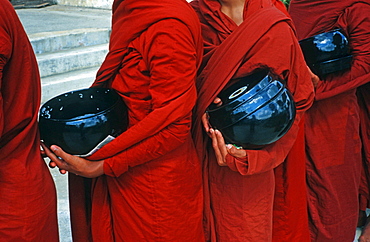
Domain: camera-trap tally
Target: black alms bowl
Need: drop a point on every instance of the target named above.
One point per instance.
(327, 52)
(78, 121)
(256, 111)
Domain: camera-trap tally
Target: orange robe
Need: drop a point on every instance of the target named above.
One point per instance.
(333, 142)
(28, 205)
(151, 190)
(239, 198)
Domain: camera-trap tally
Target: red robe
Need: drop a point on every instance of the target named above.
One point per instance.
(290, 217)
(363, 93)
(151, 190)
(239, 198)
(333, 142)
(281, 6)
(28, 205)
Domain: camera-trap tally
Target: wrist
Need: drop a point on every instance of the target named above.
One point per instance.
(96, 168)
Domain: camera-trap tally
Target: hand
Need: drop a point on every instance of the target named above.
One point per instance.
(51, 163)
(73, 164)
(221, 149)
(205, 122)
(205, 117)
(314, 78)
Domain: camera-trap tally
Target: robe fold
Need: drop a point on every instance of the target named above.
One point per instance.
(28, 204)
(239, 198)
(363, 93)
(333, 143)
(151, 190)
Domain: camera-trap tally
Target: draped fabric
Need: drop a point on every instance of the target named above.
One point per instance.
(238, 204)
(127, 24)
(333, 141)
(28, 205)
(151, 190)
(314, 17)
(364, 104)
(290, 217)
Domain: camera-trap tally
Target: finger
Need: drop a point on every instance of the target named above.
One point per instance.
(221, 142)
(42, 152)
(219, 149)
(52, 164)
(217, 101)
(223, 148)
(239, 153)
(215, 144)
(54, 158)
(205, 122)
(60, 152)
(65, 161)
(70, 162)
(61, 171)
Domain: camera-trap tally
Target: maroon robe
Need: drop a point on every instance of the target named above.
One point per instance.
(363, 94)
(333, 142)
(28, 205)
(151, 190)
(239, 198)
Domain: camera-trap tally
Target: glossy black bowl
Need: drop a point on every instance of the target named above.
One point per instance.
(256, 111)
(327, 52)
(78, 121)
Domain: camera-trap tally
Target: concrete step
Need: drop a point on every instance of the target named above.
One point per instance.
(45, 42)
(57, 84)
(55, 63)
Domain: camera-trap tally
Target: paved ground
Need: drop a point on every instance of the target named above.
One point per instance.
(59, 18)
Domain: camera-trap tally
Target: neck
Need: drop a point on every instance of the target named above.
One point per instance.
(233, 9)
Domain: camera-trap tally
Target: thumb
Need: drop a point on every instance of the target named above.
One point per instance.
(49, 152)
(58, 151)
(237, 152)
(232, 150)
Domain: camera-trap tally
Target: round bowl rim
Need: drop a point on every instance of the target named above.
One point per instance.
(241, 103)
(75, 119)
(313, 36)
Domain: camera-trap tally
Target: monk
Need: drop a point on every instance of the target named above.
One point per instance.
(241, 37)
(147, 182)
(333, 141)
(28, 204)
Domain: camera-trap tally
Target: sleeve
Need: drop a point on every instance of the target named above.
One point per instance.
(288, 63)
(170, 54)
(356, 22)
(237, 164)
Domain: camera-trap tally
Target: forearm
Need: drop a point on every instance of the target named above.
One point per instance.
(149, 149)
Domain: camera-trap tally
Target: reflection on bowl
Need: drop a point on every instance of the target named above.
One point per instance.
(78, 121)
(327, 52)
(256, 111)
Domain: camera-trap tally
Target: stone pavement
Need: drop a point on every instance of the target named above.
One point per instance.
(50, 22)
(60, 18)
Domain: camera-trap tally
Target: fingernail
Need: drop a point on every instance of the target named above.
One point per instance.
(229, 146)
(53, 148)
